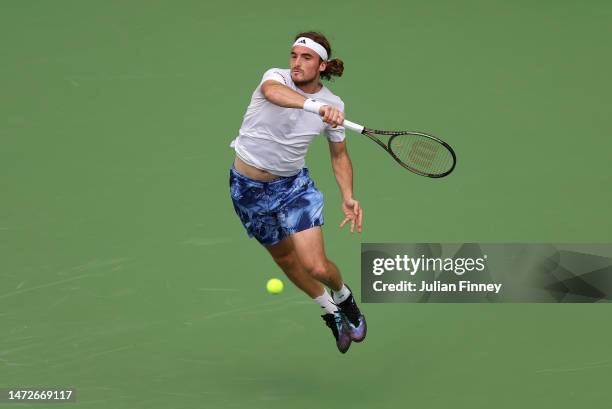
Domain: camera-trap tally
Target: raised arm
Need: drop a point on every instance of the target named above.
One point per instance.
(281, 95)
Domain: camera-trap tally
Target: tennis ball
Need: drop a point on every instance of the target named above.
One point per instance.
(274, 286)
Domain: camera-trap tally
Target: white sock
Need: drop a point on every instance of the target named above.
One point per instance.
(341, 295)
(326, 302)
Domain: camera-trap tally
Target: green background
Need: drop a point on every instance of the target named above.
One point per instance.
(125, 273)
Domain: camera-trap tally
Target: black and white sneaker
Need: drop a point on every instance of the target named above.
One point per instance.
(340, 328)
(356, 320)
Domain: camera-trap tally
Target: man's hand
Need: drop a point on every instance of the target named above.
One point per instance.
(332, 115)
(353, 212)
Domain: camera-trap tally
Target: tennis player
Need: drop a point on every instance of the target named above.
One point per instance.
(271, 189)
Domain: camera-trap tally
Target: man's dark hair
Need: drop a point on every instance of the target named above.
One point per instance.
(334, 67)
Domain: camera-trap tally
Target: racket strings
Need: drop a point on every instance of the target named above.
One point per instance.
(423, 154)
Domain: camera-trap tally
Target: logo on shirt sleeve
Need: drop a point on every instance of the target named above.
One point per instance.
(281, 75)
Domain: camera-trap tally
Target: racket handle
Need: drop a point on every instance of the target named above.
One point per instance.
(353, 126)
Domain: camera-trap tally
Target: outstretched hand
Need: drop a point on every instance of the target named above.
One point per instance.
(352, 211)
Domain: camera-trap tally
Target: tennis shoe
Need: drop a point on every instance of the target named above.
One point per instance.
(339, 326)
(356, 320)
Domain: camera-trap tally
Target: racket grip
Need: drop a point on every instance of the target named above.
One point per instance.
(353, 126)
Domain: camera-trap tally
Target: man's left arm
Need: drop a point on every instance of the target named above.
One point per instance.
(343, 170)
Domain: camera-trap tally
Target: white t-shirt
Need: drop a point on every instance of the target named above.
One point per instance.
(275, 138)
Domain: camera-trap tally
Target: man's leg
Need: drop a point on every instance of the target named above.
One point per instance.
(308, 245)
(284, 255)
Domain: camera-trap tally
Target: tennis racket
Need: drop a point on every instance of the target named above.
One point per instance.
(423, 154)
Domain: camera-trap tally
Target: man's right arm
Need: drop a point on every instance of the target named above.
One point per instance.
(281, 95)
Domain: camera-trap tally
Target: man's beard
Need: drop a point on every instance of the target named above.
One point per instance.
(304, 82)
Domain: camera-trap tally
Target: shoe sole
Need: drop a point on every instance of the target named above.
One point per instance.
(347, 348)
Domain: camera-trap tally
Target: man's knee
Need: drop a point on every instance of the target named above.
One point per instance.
(318, 271)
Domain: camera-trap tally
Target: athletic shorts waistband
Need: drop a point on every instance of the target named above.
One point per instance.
(262, 183)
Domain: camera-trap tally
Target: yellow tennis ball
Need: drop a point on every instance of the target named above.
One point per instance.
(274, 286)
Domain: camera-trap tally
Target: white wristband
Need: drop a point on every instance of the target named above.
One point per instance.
(312, 105)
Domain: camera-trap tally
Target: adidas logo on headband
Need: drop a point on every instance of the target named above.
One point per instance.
(313, 45)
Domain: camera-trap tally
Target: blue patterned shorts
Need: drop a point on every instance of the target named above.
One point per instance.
(271, 211)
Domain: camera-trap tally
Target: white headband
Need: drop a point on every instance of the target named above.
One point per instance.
(313, 45)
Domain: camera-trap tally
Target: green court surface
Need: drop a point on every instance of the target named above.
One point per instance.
(125, 273)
